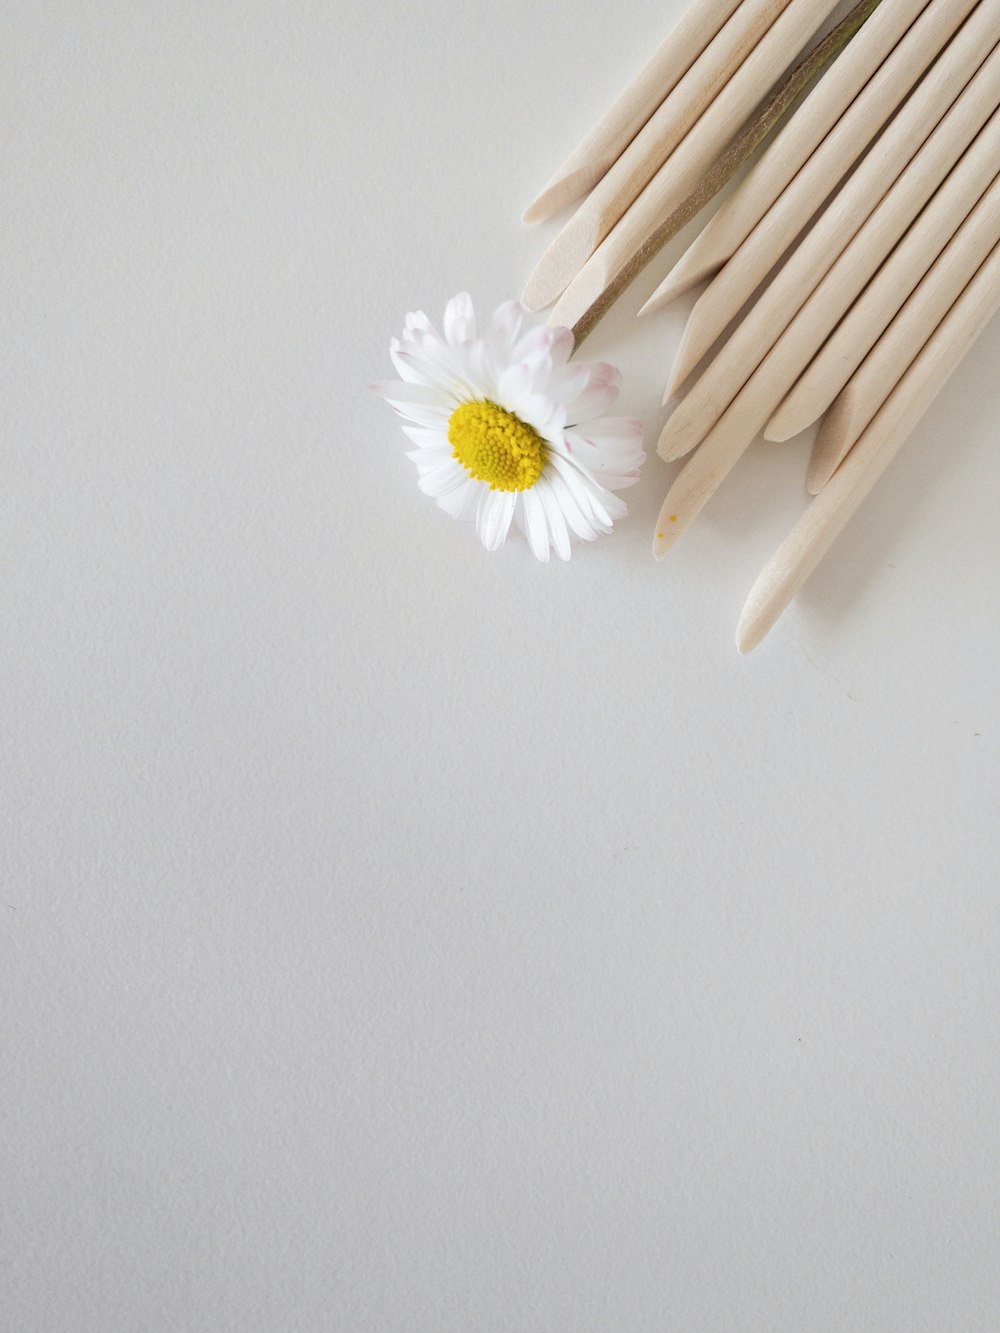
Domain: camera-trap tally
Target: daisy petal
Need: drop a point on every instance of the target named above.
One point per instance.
(556, 519)
(402, 360)
(448, 477)
(416, 319)
(493, 516)
(459, 320)
(426, 436)
(429, 460)
(562, 345)
(614, 430)
(567, 382)
(502, 330)
(572, 512)
(419, 403)
(556, 342)
(598, 396)
(462, 501)
(582, 491)
(513, 385)
(613, 467)
(546, 415)
(535, 526)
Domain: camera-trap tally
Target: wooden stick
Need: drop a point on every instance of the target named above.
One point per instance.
(681, 172)
(733, 433)
(831, 510)
(815, 118)
(889, 359)
(614, 132)
(648, 151)
(743, 147)
(790, 214)
(874, 310)
(797, 279)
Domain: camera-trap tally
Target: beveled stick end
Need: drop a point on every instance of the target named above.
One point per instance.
(675, 439)
(562, 261)
(569, 184)
(839, 431)
(679, 280)
(667, 532)
(579, 298)
(768, 597)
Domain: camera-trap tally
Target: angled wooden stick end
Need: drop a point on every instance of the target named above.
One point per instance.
(570, 184)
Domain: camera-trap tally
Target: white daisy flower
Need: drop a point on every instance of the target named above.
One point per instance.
(506, 428)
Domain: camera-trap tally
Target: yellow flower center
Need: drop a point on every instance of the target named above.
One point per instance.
(495, 446)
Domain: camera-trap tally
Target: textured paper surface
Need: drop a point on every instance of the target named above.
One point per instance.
(397, 937)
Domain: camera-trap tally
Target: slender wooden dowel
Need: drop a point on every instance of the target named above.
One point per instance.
(733, 433)
(801, 274)
(648, 151)
(831, 510)
(680, 174)
(889, 359)
(789, 215)
(815, 118)
(615, 131)
(874, 310)
(754, 134)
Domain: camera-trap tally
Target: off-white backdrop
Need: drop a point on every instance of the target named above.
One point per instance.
(400, 937)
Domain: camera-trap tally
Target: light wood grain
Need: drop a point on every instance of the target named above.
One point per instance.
(875, 308)
(805, 131)
(889, 359)
(778, 304)
(648, 151)
(733, 433)
(725, 296)
(625, 118)
(798, 79)
(831, 510)
(680, 174)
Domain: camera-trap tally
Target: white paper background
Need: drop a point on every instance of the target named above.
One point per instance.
(397, 937)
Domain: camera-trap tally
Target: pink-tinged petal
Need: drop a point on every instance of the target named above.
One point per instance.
(562, 345)
(459, 320)
(417, 320)
(599, 395)
(556, 343)
(539, 368)
(556, 520)
(403, 361)
(493, 516)
(502, 330)
(462, 501)
(567, 382)
(535, 525)
(607, 431)
(613, 465)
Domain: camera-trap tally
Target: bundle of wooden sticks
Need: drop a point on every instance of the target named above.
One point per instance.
(863, 247)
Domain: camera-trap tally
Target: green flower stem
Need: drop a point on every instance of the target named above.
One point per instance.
(746, 144)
